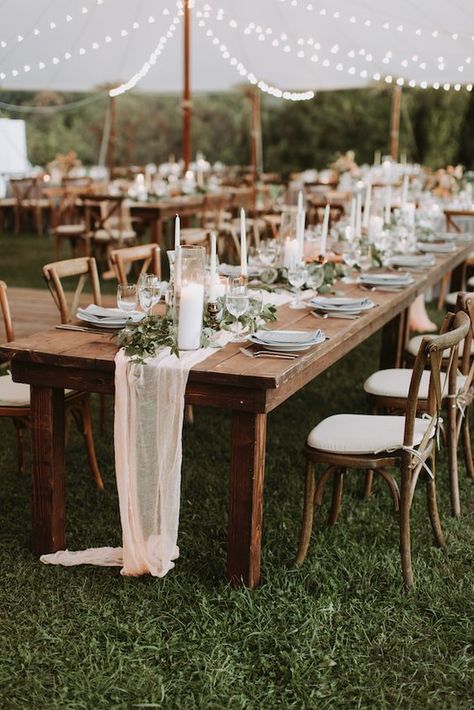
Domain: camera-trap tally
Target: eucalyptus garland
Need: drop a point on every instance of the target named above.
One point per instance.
(143, 339)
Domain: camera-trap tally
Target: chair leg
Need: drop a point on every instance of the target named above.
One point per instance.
(82, 415)
(452, 445)
(443, 291)
(308, 513)
(405, 546)
(189, 414)
(433, 506)
(338, 483)
(20, 430)
(392, 484)
(369, 478)
(466, 439)
(102, 413)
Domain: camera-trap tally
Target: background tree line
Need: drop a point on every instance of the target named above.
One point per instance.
(436, 127)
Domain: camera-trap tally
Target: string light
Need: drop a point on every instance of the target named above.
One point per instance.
(51, 25)
(152, 59)
(367, 22)
(251, 78)
(82, 51)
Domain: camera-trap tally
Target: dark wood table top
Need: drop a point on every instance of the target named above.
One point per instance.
(271, 381)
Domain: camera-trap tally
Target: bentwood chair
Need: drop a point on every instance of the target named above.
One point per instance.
(15, 403)
(123, 260)
(379, 442)
(388, 390)
(29, 201)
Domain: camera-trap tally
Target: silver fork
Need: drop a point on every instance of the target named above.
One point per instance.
(342, 316)
(267, 353)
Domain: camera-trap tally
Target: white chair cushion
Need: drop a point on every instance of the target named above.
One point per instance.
(414, 345)
(70, 229)
(362, 433)
(103, 235)
(451, 298)
(396, 383)
(193, 235)
(15, 394)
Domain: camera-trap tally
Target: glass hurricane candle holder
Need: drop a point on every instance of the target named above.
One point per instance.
(189, 282)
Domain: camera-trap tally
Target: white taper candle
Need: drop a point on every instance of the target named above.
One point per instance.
(243, 245)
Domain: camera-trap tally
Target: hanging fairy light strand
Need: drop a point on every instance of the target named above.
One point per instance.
(248, 75)
(398, 26)
(151, 61)
(50, 26)
(331, 60)
(82, 51)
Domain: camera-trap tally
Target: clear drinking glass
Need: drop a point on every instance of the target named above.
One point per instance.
(297, 275)
(351, 255)
(315, 277)
(127, 298)
(237, 301)
(149, 291)
(365, 257)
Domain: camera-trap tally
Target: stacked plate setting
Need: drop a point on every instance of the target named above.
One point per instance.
(287, 340)
(387, 281)
(436, 247)
(344, 306)
(411, 261)
(108, 318)
(234, 271)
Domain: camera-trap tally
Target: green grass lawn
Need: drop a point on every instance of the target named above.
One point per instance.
(339, 632)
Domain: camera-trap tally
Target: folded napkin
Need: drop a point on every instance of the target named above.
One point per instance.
(400, 278)
(100, 312)
(340, 302)
(407, 261)
(287, 337)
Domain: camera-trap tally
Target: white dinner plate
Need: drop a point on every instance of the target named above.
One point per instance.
(287, 337)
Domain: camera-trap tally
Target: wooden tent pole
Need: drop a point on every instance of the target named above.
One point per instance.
(187, 104)
(255, 98)
(112, 137)
(395, 121)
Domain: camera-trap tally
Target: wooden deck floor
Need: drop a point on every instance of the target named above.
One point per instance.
(34, 310)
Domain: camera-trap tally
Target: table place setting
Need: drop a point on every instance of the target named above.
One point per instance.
(107, 318)
(439, 247)
(410, 261)
(340, 307)
(386, 281)
(286, 341)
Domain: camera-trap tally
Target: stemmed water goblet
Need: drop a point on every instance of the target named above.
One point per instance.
(315, 277)
(149, 292)
(237, 302)
(297, 275)
(127, 297)
(351, 256)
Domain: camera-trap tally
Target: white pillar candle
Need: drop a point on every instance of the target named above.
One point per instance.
(408, 213)
(177, 232)
(375, 227)
(243, 245)
(213, 275)
(358, 216)
(404, 196)
(353, 215)
(368, 198)
(290, 253)
(300, 200)
(301, 217)
(377, 157)
(324, 233)
(388, 204)
(191, 305)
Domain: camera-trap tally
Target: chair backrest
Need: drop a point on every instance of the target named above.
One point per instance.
(86, 269)
(432, 351)
(25, 188)
(6, 315)
(465, 303)
(148, 254)
(69, 181)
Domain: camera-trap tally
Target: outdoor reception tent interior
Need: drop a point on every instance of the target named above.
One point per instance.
(287, 48)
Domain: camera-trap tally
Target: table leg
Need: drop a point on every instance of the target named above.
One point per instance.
(394, 335)
(47, 423)
(156, 232)
(246, 498)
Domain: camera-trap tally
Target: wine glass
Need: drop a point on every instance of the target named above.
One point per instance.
(315, 277)
(237, 301)
(297, 275)
(149, 291)
(350, 256)
(127, 297)
(365, 256)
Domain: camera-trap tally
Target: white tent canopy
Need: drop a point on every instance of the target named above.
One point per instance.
(288, 44)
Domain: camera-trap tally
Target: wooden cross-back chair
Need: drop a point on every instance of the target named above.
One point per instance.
(381, 442)
(66, 222)
(85, 269)
(15, 403)
(387, 391)
(123, 260)
(110, 226)
(28, 200)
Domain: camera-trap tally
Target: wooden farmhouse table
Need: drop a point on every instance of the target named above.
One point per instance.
(157, 213)
(452, 214)
(53, 360)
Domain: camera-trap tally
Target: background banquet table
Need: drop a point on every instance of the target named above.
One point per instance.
(53, 360)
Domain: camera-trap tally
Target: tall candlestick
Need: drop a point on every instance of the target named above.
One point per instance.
(368, 197)
(212, 284)
(300, 200)
(290, 253)
(177, 232)
(301, 217)
(358, 217)
(243, 245)
(353, 215)
(404, 196)
(388, 204)
(377, 157)
(324, 233)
